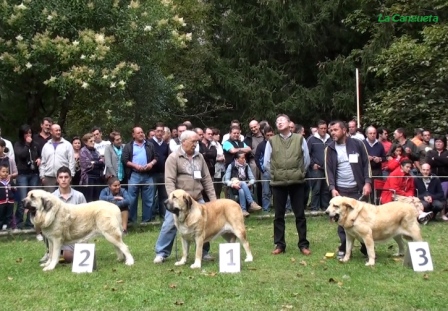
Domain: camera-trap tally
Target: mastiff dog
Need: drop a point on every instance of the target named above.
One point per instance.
(203, 222)
(63, 223)
(370, 223)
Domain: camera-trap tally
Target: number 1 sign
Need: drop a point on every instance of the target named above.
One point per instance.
(229, 258)
(83, 258)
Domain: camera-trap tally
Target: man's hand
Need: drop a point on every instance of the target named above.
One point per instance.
(119, 198)
(408, 150)
(428, 199)
(377, 159)
(316, 166)
(335, 193)
(237, 187)
(366, 190)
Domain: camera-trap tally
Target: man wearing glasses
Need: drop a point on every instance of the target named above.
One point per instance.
(184, 169)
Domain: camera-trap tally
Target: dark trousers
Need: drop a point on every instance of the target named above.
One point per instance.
(353, 193)
(159, 204)
(320, 195)
(296, 193)
(6, 211)
(92, 190)
(218, 186)
(436, 206)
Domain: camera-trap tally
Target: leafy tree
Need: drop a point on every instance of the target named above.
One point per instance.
(88, 62)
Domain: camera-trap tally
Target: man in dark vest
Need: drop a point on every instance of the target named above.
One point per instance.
(234, 145)
(286, 157)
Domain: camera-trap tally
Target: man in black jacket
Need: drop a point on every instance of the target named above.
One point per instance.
(430, 190)
(320, 195)
(347, 170)
(139, 158)
(207, 148)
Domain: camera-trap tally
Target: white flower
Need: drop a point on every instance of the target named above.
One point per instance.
(188, 36)
(147, 28)
(113, 85)
(21, 6)
(105, 77)
(99, 38)
(184, 24)
(19, 38)
(84, 85)
(76, 42)
(83, 56)
(122, 83)
(28, 65)
(49, 17)
(180, 87)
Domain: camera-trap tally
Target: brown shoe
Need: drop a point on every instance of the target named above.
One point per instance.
(278, 251)
(305, 251)
(254, 207)
(246, 214)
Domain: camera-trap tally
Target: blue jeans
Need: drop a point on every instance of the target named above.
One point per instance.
(143, 182)
(25, 183)
(266, 191)
(164, 244)
(244, 195)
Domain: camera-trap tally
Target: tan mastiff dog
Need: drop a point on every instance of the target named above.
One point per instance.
(369, 223)
(203, 222)
(64, 223)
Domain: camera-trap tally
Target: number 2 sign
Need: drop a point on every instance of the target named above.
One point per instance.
(83, 258)
(420, 256)
(229, 258)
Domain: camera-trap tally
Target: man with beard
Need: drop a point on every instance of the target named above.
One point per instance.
(348, 172)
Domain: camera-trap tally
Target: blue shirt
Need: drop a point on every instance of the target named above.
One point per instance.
(139, 154)
(226, 146)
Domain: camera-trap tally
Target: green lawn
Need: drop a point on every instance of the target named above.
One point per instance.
(284, 282)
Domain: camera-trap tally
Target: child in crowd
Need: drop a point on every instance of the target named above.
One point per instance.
(120, 197)
(6, 197)
(394, 160)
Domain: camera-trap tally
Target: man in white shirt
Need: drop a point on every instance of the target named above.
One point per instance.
(353, 131)
(100, 144)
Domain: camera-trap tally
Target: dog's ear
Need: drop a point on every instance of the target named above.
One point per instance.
(188, 201)
(46, 204)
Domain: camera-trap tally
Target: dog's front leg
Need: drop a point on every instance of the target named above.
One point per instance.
(348, 247)
(185, 247)
(198, 256)
(399, 240)
(55, 250)
(370, 245)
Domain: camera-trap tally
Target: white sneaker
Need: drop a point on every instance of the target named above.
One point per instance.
(159, 259)
(39, 237)
(44, 259)
(4, 227)
(445, 218)
(423, 218)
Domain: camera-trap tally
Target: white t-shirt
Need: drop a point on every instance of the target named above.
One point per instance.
(101, 147)
(226, 138)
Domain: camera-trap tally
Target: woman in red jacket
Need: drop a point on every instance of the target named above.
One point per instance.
(402, 182)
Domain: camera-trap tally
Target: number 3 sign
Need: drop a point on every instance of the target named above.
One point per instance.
(229, 258)
(83, 258)
(420, 256)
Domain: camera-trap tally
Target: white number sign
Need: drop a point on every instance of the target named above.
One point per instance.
(229, 258)
(420, 256)
(83, 258)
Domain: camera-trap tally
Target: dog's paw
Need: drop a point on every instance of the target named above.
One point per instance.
(179, 263)
(195, 266)
(370, 263)
(249, 259)
(345, 259)
(47, 268)
(129, 262)
(398, 255)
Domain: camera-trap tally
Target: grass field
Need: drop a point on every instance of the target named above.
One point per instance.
(289, 281)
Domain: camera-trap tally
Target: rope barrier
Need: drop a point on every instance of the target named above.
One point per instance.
(216, 182)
